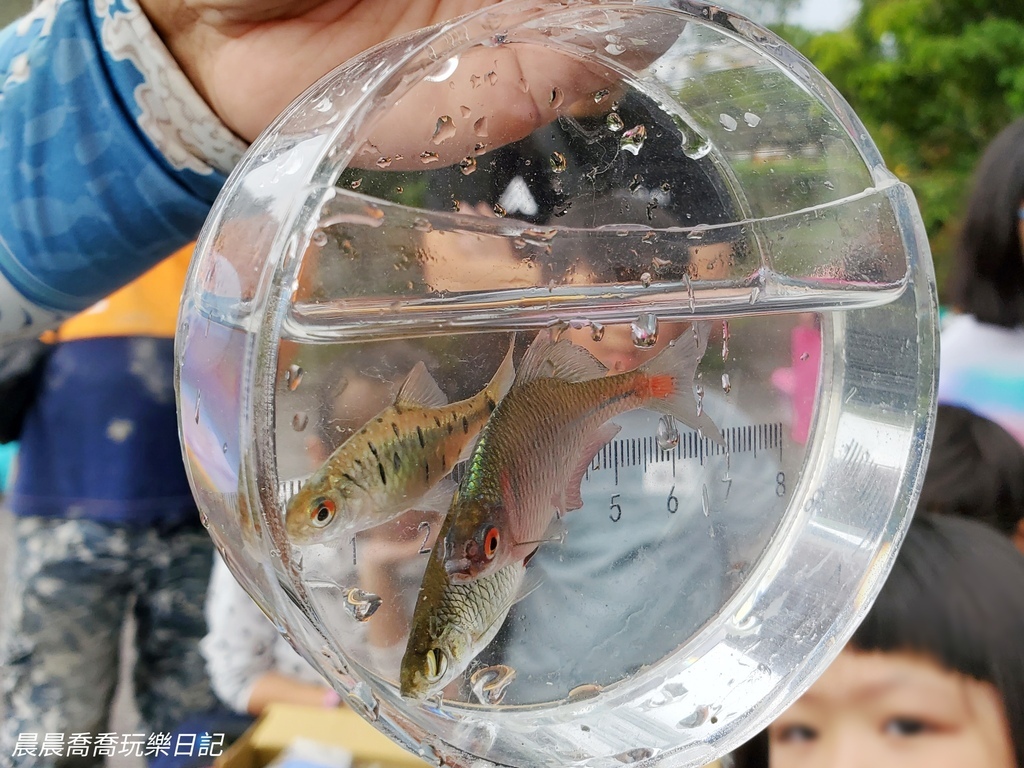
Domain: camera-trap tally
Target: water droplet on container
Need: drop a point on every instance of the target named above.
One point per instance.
(558, 162)
(705, 500)
(422, 225)
(726, 383)
(299, 421)
(635, 755)
(728, 122)
(691, 299)
(805, 355)
(480, 127)
(356, 184)
(699, 391)
(614, 46)
(204, 519)
(324, 105)
(428, 157)
(633, 140)
(361, 605)
(755, 294)
(499, 211)
(697, 718)
(668, 434)
(384, 162)
(224, 448)
(466, 111)
(198, 397)
(828, 184)
(519, 243)
(467, 165)
(596, 331)
(725, 340)
(489, 684)
(645, 331)
(524, 86)
(645, 279)
(585, 691)
(474, 80)
(751, 119)
(556, 98)
(614, 122)
(293, 377)
(698, 148)
(319, 238)
(443, 130)
(363, 701)
(492, 77)
(601, 95)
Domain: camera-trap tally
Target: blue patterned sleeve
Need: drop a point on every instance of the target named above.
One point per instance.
(109, 159)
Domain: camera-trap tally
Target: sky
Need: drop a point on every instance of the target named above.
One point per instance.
(823, 14)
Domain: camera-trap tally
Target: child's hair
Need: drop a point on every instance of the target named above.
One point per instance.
(976, 470)
(988, 274)
(956, 595)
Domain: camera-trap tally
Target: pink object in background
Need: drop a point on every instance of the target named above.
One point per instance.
(800, 380)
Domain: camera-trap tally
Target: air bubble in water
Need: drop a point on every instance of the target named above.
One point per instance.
(467, 165)
(728, 121)
(558, 162)
(645, 331)
(633, 140)
(489, 684)
(751, 119)
(319, 238)
(443, 130)
(668, 434)
(556, 98)
(361, 605)
(726, 383)
(480, 127)
(596, 331)
(293, 377)
(645, 279)
(614, 122)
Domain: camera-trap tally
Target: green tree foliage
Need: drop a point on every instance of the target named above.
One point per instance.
(934, 81)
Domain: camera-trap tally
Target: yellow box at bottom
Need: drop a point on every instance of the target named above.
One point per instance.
(281, 724)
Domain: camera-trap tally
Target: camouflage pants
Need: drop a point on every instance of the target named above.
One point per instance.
(70, 587)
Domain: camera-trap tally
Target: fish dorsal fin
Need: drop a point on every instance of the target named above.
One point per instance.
(548, 359)
(420, 390)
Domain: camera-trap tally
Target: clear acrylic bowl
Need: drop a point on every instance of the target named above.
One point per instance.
(616, 174)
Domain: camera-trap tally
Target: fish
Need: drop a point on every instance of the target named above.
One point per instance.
(399, 460)
(532, 454)
(452, 623)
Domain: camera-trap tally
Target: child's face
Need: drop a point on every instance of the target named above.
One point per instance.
(892, 709)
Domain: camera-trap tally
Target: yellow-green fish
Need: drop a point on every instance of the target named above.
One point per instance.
(533, 452)
(398, 461)
(452, 623)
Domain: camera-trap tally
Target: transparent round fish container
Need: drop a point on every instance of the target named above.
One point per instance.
(559, 380)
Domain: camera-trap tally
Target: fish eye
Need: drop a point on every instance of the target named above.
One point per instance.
(323, 513)
(491, 542)
(437, 664)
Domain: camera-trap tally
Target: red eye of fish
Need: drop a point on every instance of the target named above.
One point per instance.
(323, 512)
(491, 543)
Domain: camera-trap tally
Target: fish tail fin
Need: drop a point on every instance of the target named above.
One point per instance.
(501, 382)
(671, 375)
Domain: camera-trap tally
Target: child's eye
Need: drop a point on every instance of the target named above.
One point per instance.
(905, 726)
(794, 734)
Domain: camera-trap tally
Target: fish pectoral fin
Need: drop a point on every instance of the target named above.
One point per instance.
(548, 359)
(419, 390)
(439, 497)
(529, 584)
(467, 450)
(572, 495)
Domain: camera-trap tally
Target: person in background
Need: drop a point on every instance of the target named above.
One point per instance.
(250, 664)
(976, 470)
(104, 524)
(982, 362)
(934, 677)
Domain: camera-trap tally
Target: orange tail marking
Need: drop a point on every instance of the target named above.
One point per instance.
(662, 386)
